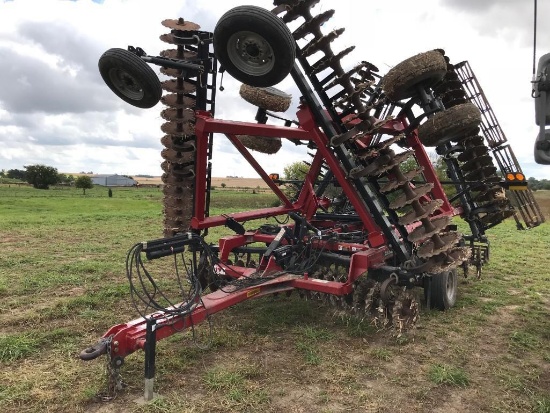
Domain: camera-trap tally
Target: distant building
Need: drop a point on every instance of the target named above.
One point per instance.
(113, 180)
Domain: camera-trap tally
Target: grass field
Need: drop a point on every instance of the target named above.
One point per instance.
(63, 284)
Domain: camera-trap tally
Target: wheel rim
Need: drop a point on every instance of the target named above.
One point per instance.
(250, 53)
(126, 84)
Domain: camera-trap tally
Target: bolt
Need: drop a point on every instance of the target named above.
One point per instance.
(118, 361)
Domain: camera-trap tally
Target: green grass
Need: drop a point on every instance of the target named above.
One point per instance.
(24, 345)
(446, 374)
(18, 346)
(524, 341)
(236, 386)
(382, 354)
(542, 405)
(63, 284)
(217, 379)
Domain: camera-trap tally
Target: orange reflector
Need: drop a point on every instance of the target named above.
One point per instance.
(510, 177)
(520, 177)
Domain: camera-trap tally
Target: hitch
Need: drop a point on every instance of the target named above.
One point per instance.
(95, 350)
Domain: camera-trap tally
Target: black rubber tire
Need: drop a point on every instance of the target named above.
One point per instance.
(130, 78)
(444, 290)
(254, 46)
(267, 98)
(261, 143)
(450, 124)
(424, 68)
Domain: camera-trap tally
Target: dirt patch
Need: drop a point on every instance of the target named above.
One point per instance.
(543, 199)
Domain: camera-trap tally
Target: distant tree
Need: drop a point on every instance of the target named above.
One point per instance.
(3, 173)
(223, 185)
(533, 184)
(66, 179)
(295, 171)
(16, 174)
(110, 193)
(440, 168)
(84, 182)
(41, 176)
(409, 164)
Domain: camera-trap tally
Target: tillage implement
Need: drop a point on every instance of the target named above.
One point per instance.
(371, 219)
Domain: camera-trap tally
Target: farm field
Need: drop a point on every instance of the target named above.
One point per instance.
(63, 284)
(229, 182)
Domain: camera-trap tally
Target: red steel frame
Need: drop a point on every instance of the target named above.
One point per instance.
(129, 337)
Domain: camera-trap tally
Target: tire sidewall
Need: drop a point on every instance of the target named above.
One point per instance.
(441, 297)
(446, 125)
(451, 296)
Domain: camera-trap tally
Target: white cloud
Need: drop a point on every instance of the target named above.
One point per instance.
(55, 108)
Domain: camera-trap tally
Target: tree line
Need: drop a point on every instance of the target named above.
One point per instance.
(536, 184)
(42, 177)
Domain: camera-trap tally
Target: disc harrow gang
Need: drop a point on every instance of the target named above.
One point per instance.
(439, 248)
(477, 166)
(387, 226)
(185, 94)
(179, 155)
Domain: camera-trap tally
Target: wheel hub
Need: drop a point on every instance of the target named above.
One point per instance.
(250, 53)
(126, 84)
(252, 50)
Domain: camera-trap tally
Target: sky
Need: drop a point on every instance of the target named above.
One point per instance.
(56, 110)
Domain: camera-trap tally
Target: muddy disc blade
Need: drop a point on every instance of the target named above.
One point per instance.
(476, 163)
(429, 249)
(181, 115)
(396, 183)
(421, 232)
(176, 86)
(406, 199)
(178, 129)
(177, 54)
(313, 24)
(481, 174)
(472, 153)
(447, 260)
(177, 101)
(492, 193)
(180, 24)
(427, 209)
(177, 157)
